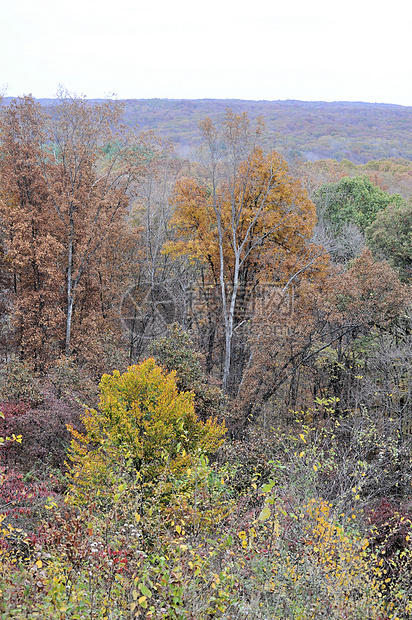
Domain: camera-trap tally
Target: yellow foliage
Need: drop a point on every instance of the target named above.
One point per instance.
(339, 554)
(143, 427)
(270, 206)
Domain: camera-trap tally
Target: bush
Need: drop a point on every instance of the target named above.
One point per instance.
(45, 437)
(19, 383)
(390, 539)
(144, 427)
(176, 352)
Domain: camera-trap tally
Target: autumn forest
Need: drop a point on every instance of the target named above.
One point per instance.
(205, 343)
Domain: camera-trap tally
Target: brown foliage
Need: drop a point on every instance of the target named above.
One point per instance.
(368, 294)
(290, 345)
(66, 182)
(32, 249)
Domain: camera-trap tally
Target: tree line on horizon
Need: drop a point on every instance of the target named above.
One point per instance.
(355, 131)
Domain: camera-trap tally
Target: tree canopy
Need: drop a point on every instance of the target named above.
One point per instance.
(390, 237)
(353, 200)
(245, 218)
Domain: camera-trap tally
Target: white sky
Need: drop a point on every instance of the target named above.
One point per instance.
(313, 50)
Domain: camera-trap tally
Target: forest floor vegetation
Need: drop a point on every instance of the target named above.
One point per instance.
(307, 521)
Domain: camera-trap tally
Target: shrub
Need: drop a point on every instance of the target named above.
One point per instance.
(176, 352)
(144, 427)
(390, 539)
(19, 383)
(45, 437)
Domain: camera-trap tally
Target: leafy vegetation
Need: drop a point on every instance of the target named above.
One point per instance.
(390, 237)
(143, 426)
(205, 390)
(354, 200)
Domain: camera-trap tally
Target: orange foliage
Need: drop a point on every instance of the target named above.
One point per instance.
(266, 213)
(65, 186)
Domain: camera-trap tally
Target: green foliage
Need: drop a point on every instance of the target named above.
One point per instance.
(353, 199)
(176, 352)
(390, 237)
(19, 383)
(276, 550)
(271, 554)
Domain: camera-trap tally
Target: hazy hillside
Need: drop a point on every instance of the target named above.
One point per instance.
(357, 131)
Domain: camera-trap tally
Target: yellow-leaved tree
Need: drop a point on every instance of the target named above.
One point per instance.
(248, 221)
(143, 429)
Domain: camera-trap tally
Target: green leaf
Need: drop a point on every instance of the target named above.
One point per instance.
(268, 487)
(145, 591)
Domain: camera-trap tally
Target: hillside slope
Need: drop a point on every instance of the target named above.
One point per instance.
(356, 131)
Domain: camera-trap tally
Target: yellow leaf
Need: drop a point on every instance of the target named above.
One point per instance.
(137, 517)
(315, 468)
(302, 438)
(265, 514)
(39, 563)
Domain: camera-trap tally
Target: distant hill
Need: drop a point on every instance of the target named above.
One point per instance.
(359, 132)
(356, 131)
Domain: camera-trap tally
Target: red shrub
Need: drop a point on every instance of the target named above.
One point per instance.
(390, 536)
(45, 437)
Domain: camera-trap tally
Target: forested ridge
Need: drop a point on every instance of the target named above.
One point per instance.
(205, 382)
(313, 130)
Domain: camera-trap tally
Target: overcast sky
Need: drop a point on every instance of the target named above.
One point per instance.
(312, 50)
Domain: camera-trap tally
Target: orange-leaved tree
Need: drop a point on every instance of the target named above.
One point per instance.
(143, 428)
(245, 218)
